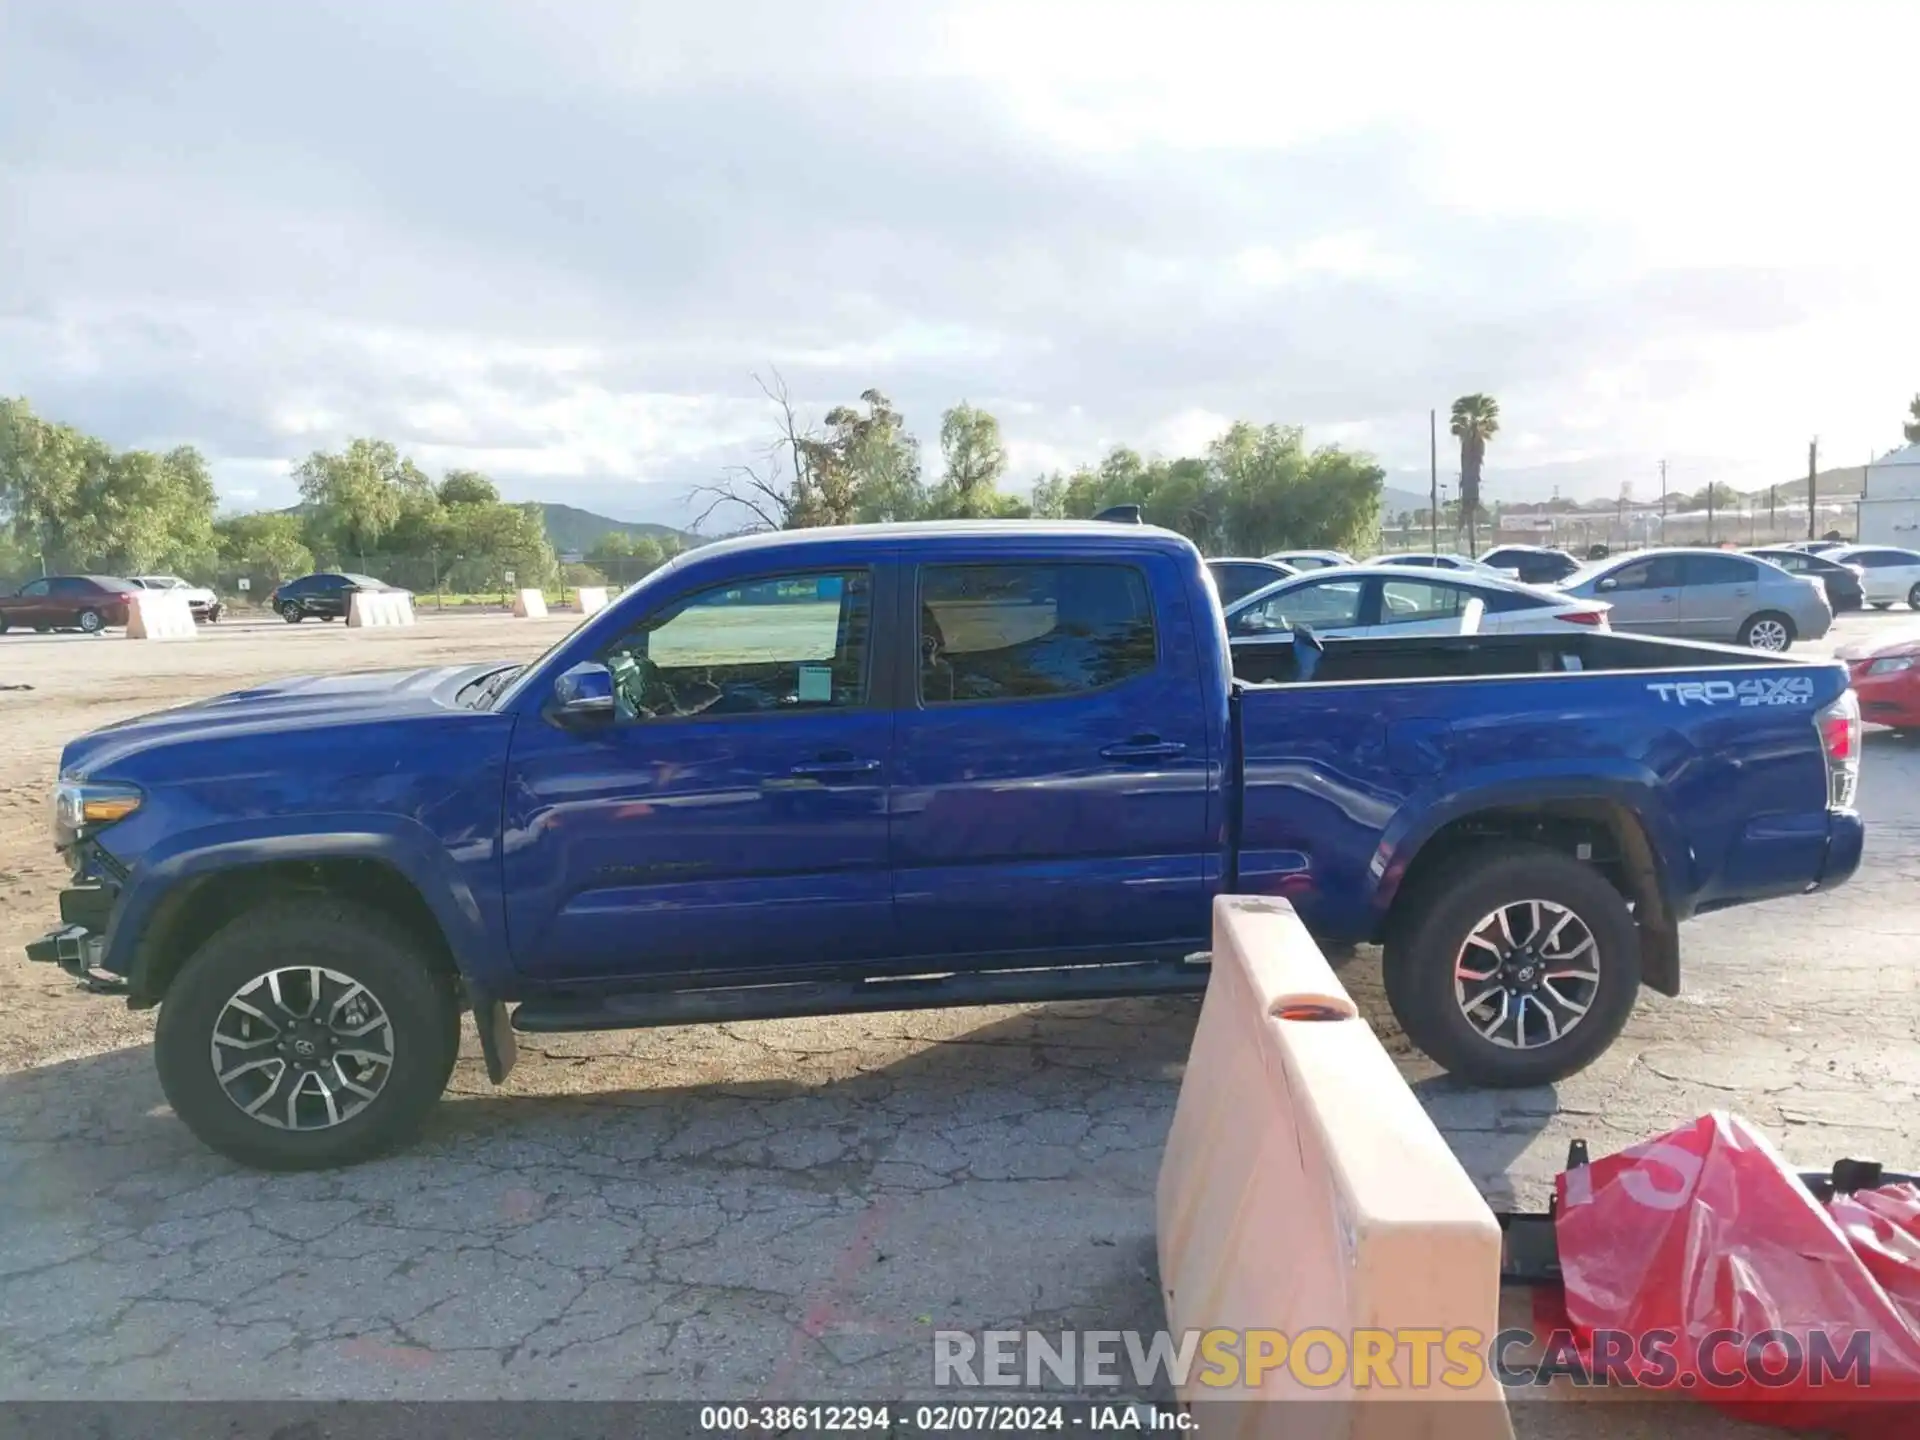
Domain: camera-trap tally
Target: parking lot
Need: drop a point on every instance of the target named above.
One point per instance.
(778, 1210)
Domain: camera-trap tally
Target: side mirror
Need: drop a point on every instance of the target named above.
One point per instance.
(584, 691)
(1608, 584)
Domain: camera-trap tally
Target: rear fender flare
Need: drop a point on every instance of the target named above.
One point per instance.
(1632, 789)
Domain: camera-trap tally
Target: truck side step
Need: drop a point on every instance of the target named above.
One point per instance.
(636, 1010)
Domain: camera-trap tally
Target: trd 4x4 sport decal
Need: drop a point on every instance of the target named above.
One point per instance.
(1781, 690)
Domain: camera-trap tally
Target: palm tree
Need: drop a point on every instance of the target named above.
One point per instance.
(1476, 420)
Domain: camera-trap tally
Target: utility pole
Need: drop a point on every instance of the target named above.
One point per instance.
(1663, 493)
(1813, 485)
(1433, 481)
(1710, 485)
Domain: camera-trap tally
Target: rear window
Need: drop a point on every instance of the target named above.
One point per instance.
(1016, 632)
(1717, 570)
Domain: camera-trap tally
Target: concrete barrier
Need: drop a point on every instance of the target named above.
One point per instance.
(592, 598)
(1304, 1189)
(379, 607)
(530, 605)
(159, 615)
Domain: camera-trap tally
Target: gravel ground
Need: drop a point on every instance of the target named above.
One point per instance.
(779, 1210)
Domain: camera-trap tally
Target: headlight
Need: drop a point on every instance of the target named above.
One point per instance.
(1891, 665)
(81, 807)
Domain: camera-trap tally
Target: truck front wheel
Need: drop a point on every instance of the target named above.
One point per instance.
(1514, 965)
(305, 1034)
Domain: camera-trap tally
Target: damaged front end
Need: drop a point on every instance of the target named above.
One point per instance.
(78, 945)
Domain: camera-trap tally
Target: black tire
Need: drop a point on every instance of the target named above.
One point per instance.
(420, 1002)
(290, 612)
(1913, 598)
(1883, 604)
(3, 623)
(1431, 929)
(91, 621)
(1764, 624)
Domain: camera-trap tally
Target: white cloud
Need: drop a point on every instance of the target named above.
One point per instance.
(1652, 230)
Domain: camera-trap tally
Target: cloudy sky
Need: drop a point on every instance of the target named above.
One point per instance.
(557, 239)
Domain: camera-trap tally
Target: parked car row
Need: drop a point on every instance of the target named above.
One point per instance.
(1765, 598)
(92, 603)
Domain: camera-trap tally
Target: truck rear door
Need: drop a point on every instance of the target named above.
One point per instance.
(1052, 772)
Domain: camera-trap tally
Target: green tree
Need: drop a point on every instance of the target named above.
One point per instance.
(356, 497)
(43, 467)
(1912, 428)
(490, 540)
(1476, 420)
(266, 547)
(975, 459)
(467, 487)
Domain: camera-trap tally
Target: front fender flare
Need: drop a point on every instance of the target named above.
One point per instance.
(396, 841)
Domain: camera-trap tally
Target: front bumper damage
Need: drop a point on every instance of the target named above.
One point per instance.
(78, 944)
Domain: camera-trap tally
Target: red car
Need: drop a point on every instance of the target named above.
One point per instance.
(1887, 680)
(68, 602)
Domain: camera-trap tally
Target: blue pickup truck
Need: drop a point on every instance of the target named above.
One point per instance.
(893, 767)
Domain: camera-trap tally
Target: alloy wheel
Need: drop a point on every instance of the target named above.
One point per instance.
(302, 1048)
(1527, 974)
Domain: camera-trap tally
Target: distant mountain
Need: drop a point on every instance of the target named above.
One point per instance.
(571, 528)
(1394, 500)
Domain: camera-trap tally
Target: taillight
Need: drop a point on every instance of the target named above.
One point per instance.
(1582, 617)
(1839, 726)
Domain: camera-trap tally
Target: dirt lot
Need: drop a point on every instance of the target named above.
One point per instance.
(775, 1210)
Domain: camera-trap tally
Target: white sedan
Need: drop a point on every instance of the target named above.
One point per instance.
(1888, 575)
(1310, 559)
(204, 604)
(1446, 562)
(1387, 600)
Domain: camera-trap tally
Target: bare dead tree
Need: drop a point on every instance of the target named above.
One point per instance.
(777, 492)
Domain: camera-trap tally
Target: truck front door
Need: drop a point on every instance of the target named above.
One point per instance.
(1052, 763)
(731, 813)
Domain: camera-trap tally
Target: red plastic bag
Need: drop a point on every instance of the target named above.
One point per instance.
(1701, 1256)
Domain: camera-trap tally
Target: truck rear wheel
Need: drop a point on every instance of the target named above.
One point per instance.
(305, 1034)
(1513, 965)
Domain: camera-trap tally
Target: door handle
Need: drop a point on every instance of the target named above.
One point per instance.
(1143, 747)
(834, 768)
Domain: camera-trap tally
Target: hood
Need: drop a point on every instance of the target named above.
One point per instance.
(301, 703)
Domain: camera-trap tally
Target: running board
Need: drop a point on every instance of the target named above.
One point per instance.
(637, 1010)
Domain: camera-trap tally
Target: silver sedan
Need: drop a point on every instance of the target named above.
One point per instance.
(1706, 595)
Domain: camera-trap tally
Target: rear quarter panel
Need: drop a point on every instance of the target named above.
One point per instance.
(1343, 783)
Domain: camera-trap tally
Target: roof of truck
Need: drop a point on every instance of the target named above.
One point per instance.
(1090, 532)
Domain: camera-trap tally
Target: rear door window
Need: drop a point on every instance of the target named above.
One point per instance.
(1032, 631)
(1414, 602)
(1718, 570)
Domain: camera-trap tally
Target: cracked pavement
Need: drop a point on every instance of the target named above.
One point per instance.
(782, 1209)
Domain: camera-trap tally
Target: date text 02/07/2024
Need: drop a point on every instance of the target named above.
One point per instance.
(945, 1418)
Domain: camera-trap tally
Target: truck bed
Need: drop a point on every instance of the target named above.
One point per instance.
(1710, 751)
(1433, 657)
